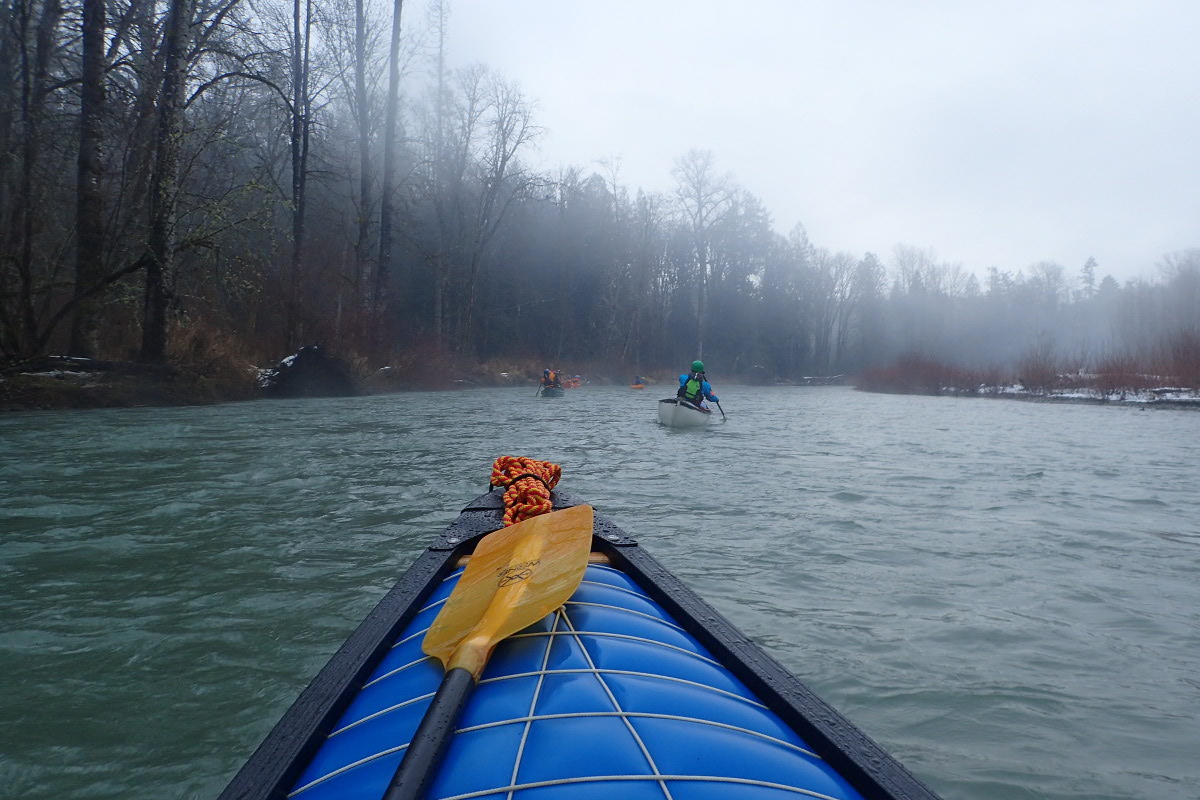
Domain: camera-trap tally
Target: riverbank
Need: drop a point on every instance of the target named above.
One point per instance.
(82, 384)
(1118, 383)
(61, 382)
(1160, 397)
(1163, 397)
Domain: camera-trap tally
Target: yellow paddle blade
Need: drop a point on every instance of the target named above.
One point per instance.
(516, 576)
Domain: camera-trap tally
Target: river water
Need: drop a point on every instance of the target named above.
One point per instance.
(1005, 595)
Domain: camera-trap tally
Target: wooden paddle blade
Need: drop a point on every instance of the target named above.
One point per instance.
(516, 576)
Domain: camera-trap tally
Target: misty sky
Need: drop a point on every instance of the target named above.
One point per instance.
(994, 133)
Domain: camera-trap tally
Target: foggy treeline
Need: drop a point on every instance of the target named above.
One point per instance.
(250, 177)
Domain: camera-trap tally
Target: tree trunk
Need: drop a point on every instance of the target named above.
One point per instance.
(702, 301)
(389, 162)
(164, 184)
(363, 119)
(139, 155)
(34, 69)
(299, 148)
(441, 14)
(89, 214)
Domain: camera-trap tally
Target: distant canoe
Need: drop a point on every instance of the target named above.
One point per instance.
(552, 391)
(637, 386)
(676, 413)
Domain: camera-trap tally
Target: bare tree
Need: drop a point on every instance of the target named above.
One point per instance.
(703, 195)
(89, 225)
(1181, 274)
(391, 122)
(470, 178)
(836, 294)
(164, 185)
(35, 26)
(301, 110)
(501, 179)
(362, 109)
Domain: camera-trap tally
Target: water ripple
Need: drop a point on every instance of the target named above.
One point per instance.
(1003, 594)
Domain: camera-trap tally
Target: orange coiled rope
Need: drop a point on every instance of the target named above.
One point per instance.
(528, 483)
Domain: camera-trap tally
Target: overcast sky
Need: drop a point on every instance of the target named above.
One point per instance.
(994, 133)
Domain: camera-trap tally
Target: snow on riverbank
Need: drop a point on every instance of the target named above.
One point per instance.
(1162, 396)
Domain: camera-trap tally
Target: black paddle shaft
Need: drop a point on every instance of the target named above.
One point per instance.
(704, 377)
(424, 754)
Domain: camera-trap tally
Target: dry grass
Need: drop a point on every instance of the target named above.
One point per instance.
(913, 374)
(211, 362)
(425, 366)
(1039, 370)
(1120, 374)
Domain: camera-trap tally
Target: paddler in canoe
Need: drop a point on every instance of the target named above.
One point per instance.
(695, 388)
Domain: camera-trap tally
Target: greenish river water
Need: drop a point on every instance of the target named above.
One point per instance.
(1005, 595)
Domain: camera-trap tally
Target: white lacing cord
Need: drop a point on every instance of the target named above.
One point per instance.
(659, 778)
(537, 692)
(617, 705)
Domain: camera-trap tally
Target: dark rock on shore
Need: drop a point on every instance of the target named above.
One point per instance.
(310, 372)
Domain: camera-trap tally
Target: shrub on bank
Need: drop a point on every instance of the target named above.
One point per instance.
(1041, 375)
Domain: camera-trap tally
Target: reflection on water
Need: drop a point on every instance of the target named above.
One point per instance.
(1003, 594)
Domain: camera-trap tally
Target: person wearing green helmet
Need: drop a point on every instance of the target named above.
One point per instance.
(695, 388)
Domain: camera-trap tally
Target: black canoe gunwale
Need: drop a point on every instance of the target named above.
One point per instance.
(276, 764)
